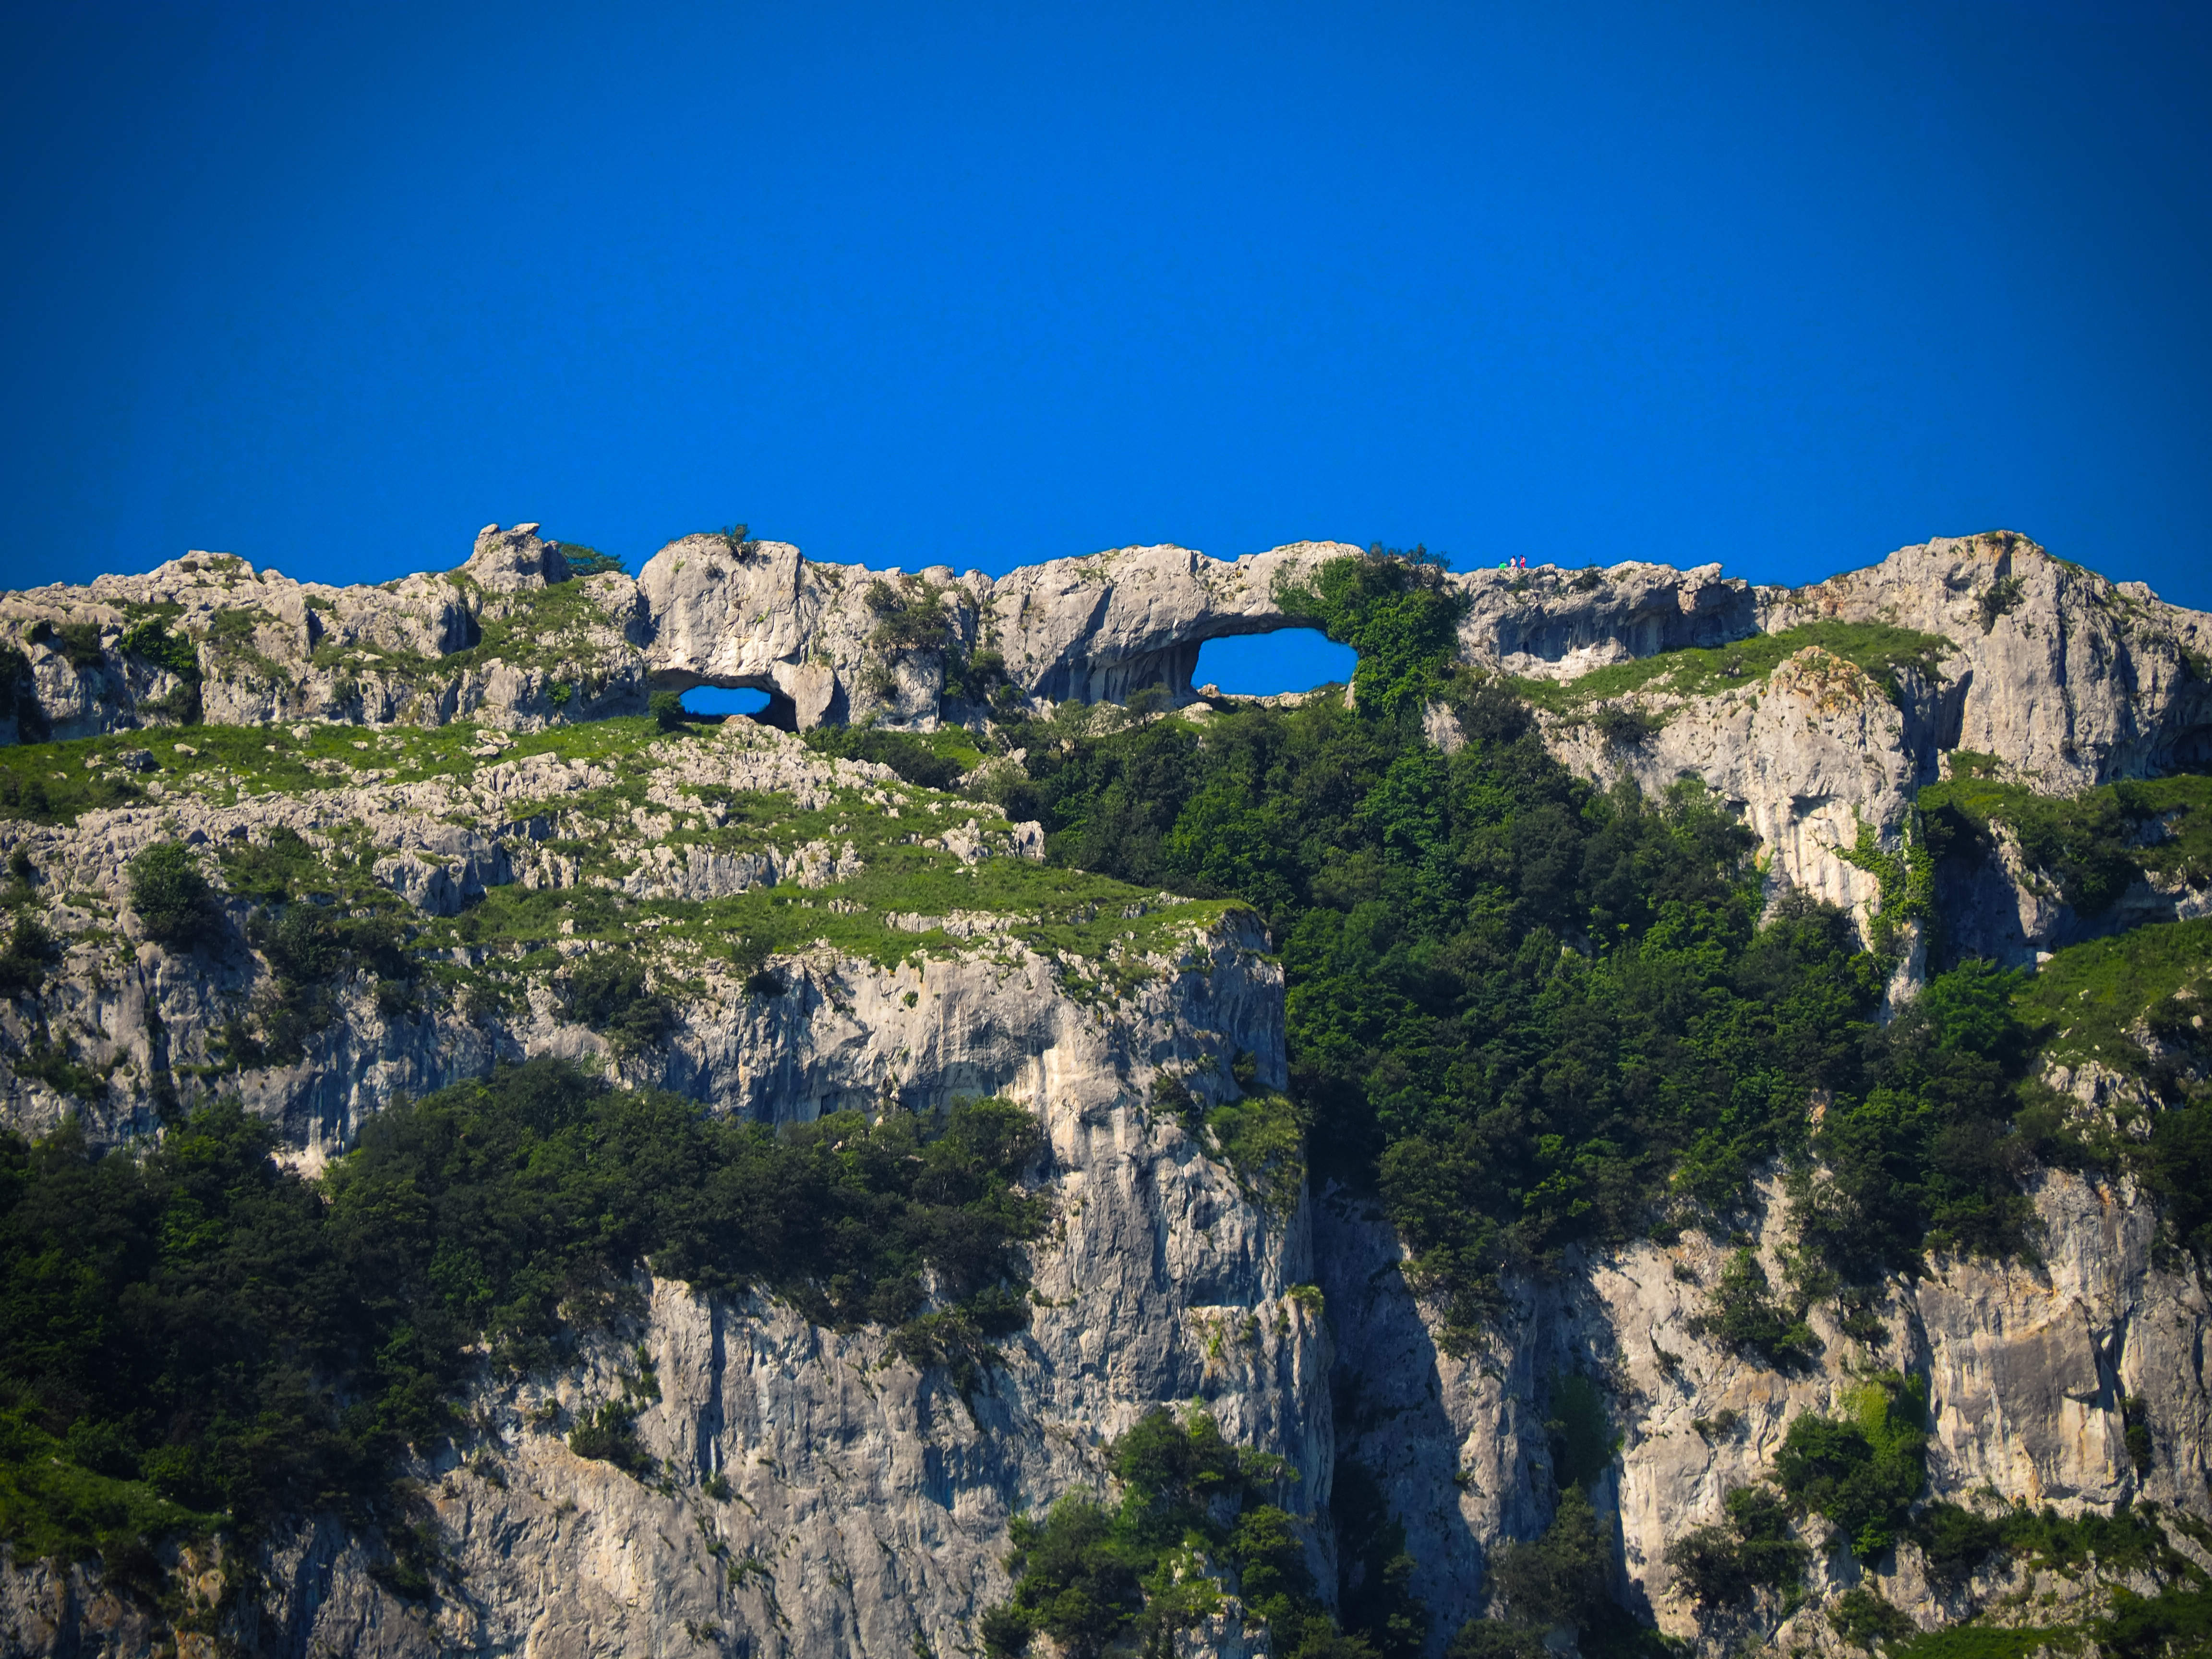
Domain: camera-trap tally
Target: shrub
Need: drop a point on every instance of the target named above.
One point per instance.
(30, 950)
(908, 618)
(309, 947)
(78, 641)
(2126, 1541)
(667, 710)
(1862, 1473)
(1862, 1617)
(2177, 1623)
(1725, 1566)
(1743, 1317)
(175, 904)
(2000, 597)
(1557, 1580)
(1955, 1541)
(588, 560)
(1089, 1576)
(1398, 612)
(608, 992)
(609, 1436)
(907, 753)
(1622, 726)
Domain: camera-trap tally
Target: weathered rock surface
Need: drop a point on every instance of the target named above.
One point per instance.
(2028, 1367)
(2068, 678)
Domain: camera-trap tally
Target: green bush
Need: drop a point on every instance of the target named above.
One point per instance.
(1955, 1541)
(1862, 1473)
(909, 617)
(667, 710)
(30, 953)
(1397, 611)
(1623, 726)
(1931, 1152)
(78, 641)
(588, 560)
(2126, 1541)
(1557, 1581)
(2176, 1624)
(1725, 1566)
(175, 904)
(1743, 1317)
(609, 1436)
(310, 947)
(608, 992)
(913, 758)
(1863, 1618)
(1089, 1576)
(2000, 597)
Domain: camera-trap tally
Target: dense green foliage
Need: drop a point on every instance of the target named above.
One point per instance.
(1861, 1473)
(1397, 611)
(935, 761)
(1086, 1574)
(1931, 1151)
(1753, 1550)
(1528, 1011)
(197, 1330)
(174, 902)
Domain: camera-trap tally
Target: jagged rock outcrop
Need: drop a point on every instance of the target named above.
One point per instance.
(2061, 678)
(2068, 678)
(2033, 1370)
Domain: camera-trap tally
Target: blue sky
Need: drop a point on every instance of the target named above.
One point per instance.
(1785, 286)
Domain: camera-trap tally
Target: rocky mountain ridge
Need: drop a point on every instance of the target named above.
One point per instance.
(461, 754)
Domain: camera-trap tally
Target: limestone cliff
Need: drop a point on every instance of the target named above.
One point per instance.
(819, 935)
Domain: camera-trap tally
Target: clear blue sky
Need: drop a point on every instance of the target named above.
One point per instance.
(1782, 286)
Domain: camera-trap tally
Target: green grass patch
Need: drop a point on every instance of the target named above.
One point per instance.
(1702, 672)
(2090, 847)
(50, 782)
(2088, 998)
(54, 1507)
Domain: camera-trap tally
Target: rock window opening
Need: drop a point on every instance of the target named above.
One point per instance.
(1269, 664)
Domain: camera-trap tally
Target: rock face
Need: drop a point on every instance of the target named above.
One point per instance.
(868, 1501)
(2068, 678)
(432, 738)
